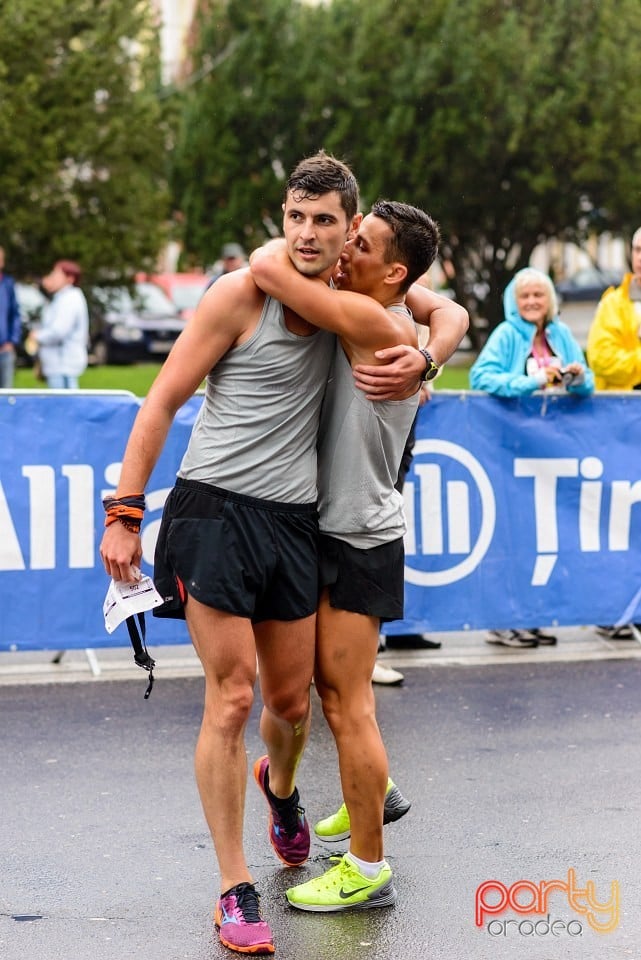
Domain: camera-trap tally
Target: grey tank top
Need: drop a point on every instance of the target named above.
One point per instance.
(360, 446)
(256, 431)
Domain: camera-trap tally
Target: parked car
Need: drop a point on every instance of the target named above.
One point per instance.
(183, 289)
(590, 283)
(127, 327)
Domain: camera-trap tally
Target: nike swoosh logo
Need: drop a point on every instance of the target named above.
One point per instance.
(345, 895)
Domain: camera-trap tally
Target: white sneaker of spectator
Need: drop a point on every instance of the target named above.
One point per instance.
(386, 675)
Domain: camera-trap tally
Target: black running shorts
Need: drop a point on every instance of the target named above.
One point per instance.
(369, 581)
(253, 558)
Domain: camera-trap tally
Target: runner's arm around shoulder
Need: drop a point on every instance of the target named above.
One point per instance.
(226, 315)
(356, 318)
(448, 321)
(403, 365)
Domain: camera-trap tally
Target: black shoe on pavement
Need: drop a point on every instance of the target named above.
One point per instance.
(544, 639)
(519, 639)
(623, 632)
(411, 641)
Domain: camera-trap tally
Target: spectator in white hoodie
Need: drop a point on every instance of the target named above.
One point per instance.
(63, 336)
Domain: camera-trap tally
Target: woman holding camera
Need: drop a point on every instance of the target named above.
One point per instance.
(530, 350)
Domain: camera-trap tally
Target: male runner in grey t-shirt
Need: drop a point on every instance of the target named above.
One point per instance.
(361, 517)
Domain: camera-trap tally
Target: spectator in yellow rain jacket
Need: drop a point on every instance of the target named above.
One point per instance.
(614, 341)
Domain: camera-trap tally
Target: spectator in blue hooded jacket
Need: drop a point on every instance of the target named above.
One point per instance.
(530, 350)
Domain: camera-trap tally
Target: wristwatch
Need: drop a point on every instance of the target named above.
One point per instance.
(431, 366)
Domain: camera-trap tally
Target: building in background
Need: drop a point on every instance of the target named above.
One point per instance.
(176, 18)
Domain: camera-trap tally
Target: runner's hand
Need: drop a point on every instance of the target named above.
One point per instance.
(121, 553)
(400, 372)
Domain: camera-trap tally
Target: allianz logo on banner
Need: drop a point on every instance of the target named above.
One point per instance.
(451, 510)
(82, 513)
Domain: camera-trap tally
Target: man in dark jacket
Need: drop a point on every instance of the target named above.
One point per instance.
(10, 326)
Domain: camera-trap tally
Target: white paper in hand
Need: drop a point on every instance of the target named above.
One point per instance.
(125, 599)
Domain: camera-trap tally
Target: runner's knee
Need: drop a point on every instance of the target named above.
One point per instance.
(290, 708)
(346, 713)
(229, 710)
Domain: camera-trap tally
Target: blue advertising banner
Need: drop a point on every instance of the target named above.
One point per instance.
(520, 513)
(60, 454)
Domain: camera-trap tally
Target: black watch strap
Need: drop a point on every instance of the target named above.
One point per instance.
(431, 366)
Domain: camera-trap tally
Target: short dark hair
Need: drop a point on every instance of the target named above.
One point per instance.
(320, 174)
(415, 237)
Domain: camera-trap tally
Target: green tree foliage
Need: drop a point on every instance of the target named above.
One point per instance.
(82, 137)
(510, 121)
(509, 146)
(228, 156)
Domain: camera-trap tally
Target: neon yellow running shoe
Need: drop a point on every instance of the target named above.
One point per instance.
(337, 827)
(343, 887)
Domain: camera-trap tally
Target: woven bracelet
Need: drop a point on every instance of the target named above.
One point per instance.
(128, 511)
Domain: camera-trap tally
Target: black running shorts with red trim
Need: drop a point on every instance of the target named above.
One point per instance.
(371, 581)
(253, 558)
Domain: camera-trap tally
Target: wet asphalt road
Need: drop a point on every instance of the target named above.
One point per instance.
(516, 772)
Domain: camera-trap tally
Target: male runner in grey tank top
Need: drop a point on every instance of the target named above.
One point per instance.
(361, 518)
(239, 532)
(246, 564)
